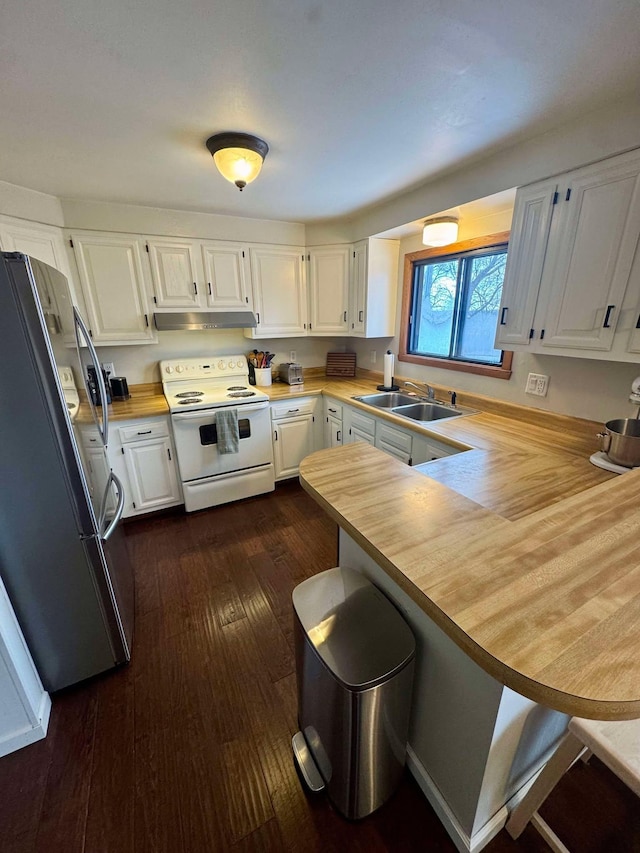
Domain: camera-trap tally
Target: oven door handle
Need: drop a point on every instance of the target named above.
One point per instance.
(207, 413)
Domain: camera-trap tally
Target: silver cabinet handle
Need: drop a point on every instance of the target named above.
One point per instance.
(119, 509)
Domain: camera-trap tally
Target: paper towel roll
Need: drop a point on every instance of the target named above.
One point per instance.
(388, 369)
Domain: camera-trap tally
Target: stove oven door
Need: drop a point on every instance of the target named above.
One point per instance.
(196, 442)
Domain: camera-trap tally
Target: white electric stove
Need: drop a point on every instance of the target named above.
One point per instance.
(203, 383)
(195, 389)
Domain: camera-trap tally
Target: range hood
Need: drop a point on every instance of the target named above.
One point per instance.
(197, 321)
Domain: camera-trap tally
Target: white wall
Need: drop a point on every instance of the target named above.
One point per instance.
(134, 219)
(29, 204)
(140, 363)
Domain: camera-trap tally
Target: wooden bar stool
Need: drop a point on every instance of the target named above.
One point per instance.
(616, 744)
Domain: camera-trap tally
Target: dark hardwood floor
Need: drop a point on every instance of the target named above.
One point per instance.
(188, 748)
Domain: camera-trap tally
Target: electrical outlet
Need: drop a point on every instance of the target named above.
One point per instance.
(109, 367)
(537, 384)
(292, 355)
(373, 356)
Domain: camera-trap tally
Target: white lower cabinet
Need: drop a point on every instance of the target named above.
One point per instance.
(332, 422)
(294, 434)
(396, 442)
(142, 455)
(358, 426)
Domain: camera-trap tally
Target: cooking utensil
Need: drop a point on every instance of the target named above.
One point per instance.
(620, 440)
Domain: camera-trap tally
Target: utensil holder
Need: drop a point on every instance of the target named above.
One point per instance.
(263, 375)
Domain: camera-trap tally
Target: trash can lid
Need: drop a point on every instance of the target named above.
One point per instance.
(355, 629)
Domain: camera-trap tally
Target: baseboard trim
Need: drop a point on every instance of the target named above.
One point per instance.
(462, 840)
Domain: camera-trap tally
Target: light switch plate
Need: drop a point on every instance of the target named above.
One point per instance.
(537, 384)
(292, 355)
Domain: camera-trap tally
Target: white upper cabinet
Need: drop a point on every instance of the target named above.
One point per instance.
(589, 261)
(114, 275)
(525, 258)
(279, 292)
(329, 290)
(582, 299)
(226, 276)
(175, 273)
(373, 288)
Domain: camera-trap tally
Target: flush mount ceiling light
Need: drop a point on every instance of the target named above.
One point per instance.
(440, 231)
(238, 156)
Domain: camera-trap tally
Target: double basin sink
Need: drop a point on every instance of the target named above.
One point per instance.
(408, 406)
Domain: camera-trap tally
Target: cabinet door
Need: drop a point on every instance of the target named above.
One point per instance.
(279, 289)
(358, 287)
(114, 275)
(394, 441)
(225, 276)
(176, 279)
(152, 474)
(590, 255)
(334, 432)
(329, 290)
(529, 235)
(292, 441)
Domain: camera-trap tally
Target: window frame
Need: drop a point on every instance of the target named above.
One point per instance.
(490, 241)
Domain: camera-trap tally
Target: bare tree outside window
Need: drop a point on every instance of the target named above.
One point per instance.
(455, 306)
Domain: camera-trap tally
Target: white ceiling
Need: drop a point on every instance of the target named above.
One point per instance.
(358, 100)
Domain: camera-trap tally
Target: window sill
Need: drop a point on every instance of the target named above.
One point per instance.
(502, 371)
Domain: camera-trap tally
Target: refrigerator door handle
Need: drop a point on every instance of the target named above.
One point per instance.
(119, 509)
(82, 326)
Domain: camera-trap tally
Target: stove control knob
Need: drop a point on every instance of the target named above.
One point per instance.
(169, 369)
(179, 369)
(221, 365)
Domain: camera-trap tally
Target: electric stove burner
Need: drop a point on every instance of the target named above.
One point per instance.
(187, 401)
(238, 388)
(191, 394)
(242, 394)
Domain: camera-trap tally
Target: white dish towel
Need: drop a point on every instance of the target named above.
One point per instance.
(227, 429)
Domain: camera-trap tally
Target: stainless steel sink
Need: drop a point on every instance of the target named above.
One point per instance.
(427, 411)
(386, 399)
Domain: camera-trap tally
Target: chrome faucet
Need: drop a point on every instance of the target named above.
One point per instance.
(431, 394)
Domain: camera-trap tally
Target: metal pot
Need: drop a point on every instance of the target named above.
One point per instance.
(621, 441)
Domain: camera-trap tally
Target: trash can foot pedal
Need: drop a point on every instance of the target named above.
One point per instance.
(305, 762)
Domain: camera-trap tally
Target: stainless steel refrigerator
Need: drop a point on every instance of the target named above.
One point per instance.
(63, 557)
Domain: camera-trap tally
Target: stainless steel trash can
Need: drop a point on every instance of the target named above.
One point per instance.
(354, 667)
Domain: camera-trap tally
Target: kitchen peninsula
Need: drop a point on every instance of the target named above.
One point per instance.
(509, 598)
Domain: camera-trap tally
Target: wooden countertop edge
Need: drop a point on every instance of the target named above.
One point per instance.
(543, 693)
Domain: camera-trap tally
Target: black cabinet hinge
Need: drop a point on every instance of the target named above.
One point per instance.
(243, 253)
(542, 335)
(133, 504)
(555, 197)
(146, 245)
(155, 300)
(71, 242)
(568, 195)
(531, 331)
(122, 450)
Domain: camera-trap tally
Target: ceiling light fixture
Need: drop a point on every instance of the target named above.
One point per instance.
(440, 231)
(238, 156)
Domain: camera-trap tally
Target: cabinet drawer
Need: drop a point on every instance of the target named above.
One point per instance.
(363, 423)
(394, 438)
(333, 409)
(143, 431)
(90, 438)
(293, 408)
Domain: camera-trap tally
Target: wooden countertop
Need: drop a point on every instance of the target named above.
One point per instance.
(548, 604)
(520, 549)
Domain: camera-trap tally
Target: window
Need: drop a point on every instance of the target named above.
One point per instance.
(450, 306)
